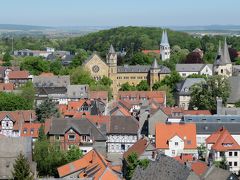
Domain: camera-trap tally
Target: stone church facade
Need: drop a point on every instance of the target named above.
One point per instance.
(123, 74)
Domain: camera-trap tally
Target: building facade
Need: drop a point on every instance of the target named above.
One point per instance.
(127, 73)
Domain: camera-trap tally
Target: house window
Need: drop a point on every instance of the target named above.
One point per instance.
(176, 143)
(84, 138)
(25, 131)
(123, 147)
(7, 124)
(235, 163)
(173, 152)
(32, 131)
(230, 153)
(221, 70)
(235, 153)
(222, 154)
(189, 142)
(230, 164)
(71, 137)
(57, 137)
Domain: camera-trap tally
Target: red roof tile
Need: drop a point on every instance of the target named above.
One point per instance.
(157, 51)
(18, 75)
(6, 86)
(197, 112)
(30, 129)
(46, 74)
(187, 132)
(222, 140)
(89, 161)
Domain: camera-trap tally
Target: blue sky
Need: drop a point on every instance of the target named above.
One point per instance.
(119, 12)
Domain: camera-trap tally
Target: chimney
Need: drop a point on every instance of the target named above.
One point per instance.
(219, 105)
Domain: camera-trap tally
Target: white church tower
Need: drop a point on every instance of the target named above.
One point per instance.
(164, 47)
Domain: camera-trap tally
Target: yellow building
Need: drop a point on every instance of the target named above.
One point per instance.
(123, 74)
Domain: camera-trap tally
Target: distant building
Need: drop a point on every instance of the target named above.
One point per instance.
(186, 70)
(124, 74)
(165, 50)
(184, 91)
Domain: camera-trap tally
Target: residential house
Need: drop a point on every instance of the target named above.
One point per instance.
(208, 124)
(5, 70)
(99, 95)
(13, 121)
(186, 70)
(174, 139)
(51, 81)
(123, 134)
(77, 92)
(91, 166)
(10, 148)
(31, 130)
(81, 107)
(184, 91)
(157, 96)
(18, 78)
(79, 132)
(222, 145)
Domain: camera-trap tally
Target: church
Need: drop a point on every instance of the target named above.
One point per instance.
(133, 74)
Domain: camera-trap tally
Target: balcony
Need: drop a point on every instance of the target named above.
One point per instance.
(86, 143)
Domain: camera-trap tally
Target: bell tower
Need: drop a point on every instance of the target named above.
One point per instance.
(164, 47)
(154, 71)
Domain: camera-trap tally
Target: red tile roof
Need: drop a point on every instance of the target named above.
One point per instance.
(18, 117)
(95, 165)
(45, 74)
(124, 111)
(198, 167)
(30, 129)
(165, 132)
(6, 86)
(222, 140)
(197, 112)
(18, 75)
(151, 51)
(98, 95)
(138, 147)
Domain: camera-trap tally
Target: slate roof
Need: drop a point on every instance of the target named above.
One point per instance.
(60, 126)
(209, 128)
(191, 67)
(211, 118)
(183, 87)
(77, 91)
(223, 56)
(164, 168)
(164, 40)
(234, 96)
(155, 64)
(51, 90)
(141, 69)
(111, 50)
(52, 81)
(123, 125)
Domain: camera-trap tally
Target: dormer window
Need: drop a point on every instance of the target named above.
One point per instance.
(227, 144)
(71, 137)
(25, 131)
(32, 131)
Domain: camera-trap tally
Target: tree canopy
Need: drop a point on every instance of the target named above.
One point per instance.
(204, 95)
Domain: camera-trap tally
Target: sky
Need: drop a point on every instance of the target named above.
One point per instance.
(120, 12)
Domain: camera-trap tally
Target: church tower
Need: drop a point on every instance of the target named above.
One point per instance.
(154, 71)
(164, 47)
(111, 58)
(223, 64)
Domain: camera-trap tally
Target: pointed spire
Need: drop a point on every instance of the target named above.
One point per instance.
(155, 64)
(219, 48)
(111, 50)
(164, 40)
(226, 55)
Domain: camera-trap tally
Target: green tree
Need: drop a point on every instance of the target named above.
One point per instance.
(203, 95)
(81, 76)
(143, 86)
(74, 153)
(133, 162)
(13, 102)
(46, 109)
(140, 58)
(171, 80)
(55, 67)
(80, 57)
(7, 59)
(222, 164)
(21, 169)
(169, 95)
(198, 76)
(28, 92)
(105, 81)
(35, 65)
(202, 150)
(127, 87)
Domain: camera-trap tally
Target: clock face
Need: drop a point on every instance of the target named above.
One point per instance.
(95, 68)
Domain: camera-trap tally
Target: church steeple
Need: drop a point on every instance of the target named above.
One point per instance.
(226, 55)
(111, 50)
(164, 46)
(111, 57)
